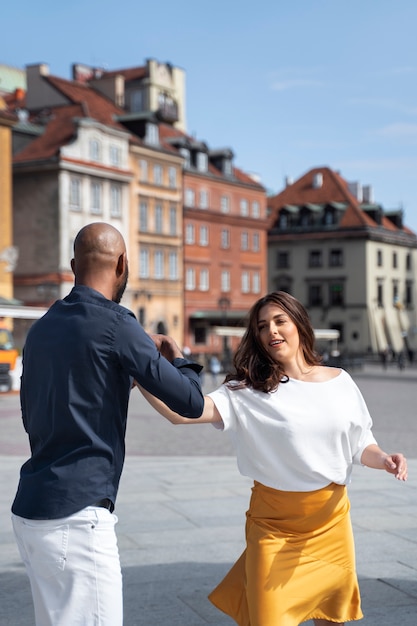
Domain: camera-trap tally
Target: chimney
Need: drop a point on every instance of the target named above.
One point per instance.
(368, 194)
(355, 189)
(318, 180)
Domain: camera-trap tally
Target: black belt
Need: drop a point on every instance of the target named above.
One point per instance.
(106, 503)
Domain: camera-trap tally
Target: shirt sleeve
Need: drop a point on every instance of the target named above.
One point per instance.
(177, 384)
(363, 436)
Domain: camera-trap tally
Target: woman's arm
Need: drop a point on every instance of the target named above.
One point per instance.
(376, 458)
(209, 415)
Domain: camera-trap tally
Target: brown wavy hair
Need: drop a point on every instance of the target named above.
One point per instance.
(253, 364)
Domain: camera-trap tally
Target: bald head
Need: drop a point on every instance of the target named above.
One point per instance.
(100, 259)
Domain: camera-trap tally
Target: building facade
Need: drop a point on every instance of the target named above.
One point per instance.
(352, 264)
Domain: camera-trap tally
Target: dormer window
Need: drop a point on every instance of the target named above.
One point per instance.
(329, 218)
(227, 167)
(185, 153)
(152, 134)
(95, 150)
(202, 162)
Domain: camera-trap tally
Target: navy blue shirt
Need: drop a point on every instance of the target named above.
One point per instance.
(79, 362)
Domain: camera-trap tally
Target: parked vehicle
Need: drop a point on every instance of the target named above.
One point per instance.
(8, 358)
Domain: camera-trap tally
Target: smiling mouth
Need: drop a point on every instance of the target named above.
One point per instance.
(276, 342)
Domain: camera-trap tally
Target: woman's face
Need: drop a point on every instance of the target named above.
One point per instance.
(278, 333)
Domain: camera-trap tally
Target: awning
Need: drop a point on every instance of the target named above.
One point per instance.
(393, 329)
(218, 314)
(229, 331)
(22, 312)
(326, 333)
(376, 323)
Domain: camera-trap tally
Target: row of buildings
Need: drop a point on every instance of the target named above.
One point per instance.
(204, 239)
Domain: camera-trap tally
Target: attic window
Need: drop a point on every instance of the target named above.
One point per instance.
(95, 150)
(152, 134)
(227, 167)
(186, 154)
(202, 162)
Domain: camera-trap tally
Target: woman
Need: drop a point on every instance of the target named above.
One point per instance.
(298, 427)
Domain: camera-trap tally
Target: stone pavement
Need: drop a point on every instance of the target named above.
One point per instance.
(181, 526)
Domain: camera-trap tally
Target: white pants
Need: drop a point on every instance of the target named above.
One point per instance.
(74, 568)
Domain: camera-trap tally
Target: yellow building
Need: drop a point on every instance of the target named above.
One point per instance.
(7, 252)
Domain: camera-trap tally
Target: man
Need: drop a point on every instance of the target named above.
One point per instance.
(79, 362)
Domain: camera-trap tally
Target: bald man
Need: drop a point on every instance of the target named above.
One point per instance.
(79, 363)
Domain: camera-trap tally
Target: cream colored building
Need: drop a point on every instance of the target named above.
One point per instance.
(352, 264)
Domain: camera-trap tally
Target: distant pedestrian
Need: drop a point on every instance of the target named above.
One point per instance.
(214, 367)
(298, 427)
(79, 363)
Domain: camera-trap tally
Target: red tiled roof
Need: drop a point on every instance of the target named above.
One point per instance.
(95, 104)
(167, 132)
(130, 73)
(334, 188)
(58, 132)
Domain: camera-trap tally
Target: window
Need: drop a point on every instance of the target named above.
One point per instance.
(227, 167)
(256, 282)
(204, 238)
(114, 155)
(143, 167)
(143, 216)
(204, 280)
(379, 259)
(225, 204)
(283, 220)
(137, 101)
(336, 258)
(75, 194)
(315, 295)
(203, 200)
(244, 208)
(115, 201)
(336, 294)
(173, 266)
(95, 200)
(225, 239)
(172, 220)
(189, 197)
(394, 260)
(329, 217)
(315, 258)
(144, 263)
(152, 134)
(202, 161)
(200, 335)
(256, 209)
(395, 296)
(244, 241)
(380, 294)
(408, 262)
(185, 153)
(159, 264)
(190, 234)
(172, 177)
(283, 259)
(158, 218)
(190, 279)
(95, 151)
(157, 174)
(225, 281)
(409, 293)
(245, 282)
(255, 242)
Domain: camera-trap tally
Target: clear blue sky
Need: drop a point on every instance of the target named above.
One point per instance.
(287, 85)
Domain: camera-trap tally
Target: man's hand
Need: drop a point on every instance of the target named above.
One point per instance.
(167, 347)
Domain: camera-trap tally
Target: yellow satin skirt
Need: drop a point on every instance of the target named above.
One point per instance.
(299, 562)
